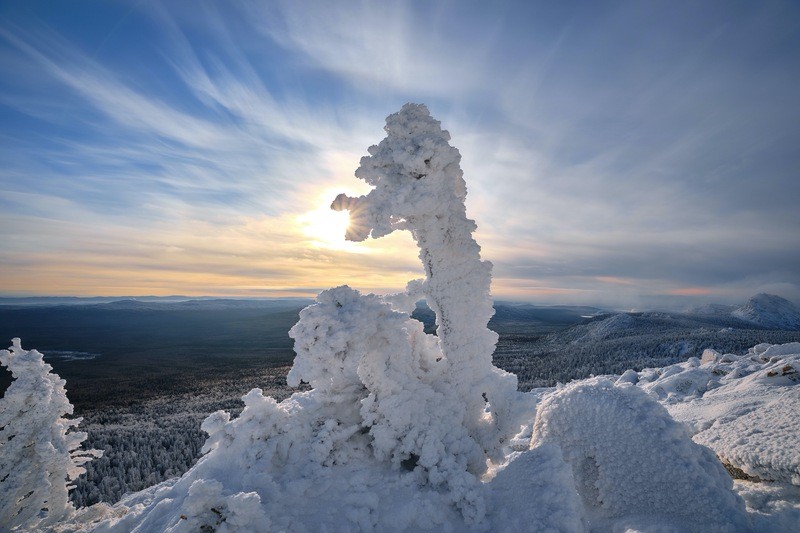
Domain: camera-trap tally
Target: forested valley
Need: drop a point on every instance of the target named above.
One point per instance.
(145, 375)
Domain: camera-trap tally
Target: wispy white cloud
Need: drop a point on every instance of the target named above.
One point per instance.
(642, 143)
(386, 47)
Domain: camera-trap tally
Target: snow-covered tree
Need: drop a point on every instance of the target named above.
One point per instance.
(406, 431)
(39, 455)
(419, 187)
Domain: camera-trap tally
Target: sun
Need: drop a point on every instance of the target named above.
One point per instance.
(326, 228)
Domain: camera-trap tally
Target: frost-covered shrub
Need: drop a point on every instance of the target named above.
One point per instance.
(429, 412)
(388, 377)
(39, 455)
(382, 389)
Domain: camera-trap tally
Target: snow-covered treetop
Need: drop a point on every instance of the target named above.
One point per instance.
(415, 173)
(39, 454)
(419, 186)
(28, 366)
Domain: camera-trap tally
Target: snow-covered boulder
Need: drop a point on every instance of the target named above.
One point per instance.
(634, 465)
(744, 407)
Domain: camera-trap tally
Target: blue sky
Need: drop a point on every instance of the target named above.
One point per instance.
(627, 154)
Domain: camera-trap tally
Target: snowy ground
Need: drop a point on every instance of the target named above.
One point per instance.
(744, 408)
(586, 461)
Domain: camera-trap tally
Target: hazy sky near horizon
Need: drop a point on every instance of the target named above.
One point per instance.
(623, 153)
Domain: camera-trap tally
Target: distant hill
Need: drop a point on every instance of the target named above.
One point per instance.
(157, 303)
(511, 316)
(509, 312)
(207, 304)
(89, 300)
(614, 342)
(769, 311)
(711, 310)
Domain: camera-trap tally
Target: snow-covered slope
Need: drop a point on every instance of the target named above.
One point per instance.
(769, 311)
(744, 408)
(603, 329)
(612, 344)
(644, 452)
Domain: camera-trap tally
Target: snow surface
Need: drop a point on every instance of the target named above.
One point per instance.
(597, 455)
(404, 431)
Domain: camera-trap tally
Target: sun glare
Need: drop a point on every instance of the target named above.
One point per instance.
(326, 228)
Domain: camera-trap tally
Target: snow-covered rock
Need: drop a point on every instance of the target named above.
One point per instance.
(634, 465)
(742, 407)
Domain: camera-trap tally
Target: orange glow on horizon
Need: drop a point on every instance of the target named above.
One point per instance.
(690, 291)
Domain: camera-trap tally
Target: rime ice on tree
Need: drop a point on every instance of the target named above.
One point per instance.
(38, 454)
(419, 186)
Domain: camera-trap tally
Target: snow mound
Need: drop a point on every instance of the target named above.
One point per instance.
(632, 463)
(769, 311)
(742, 407)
